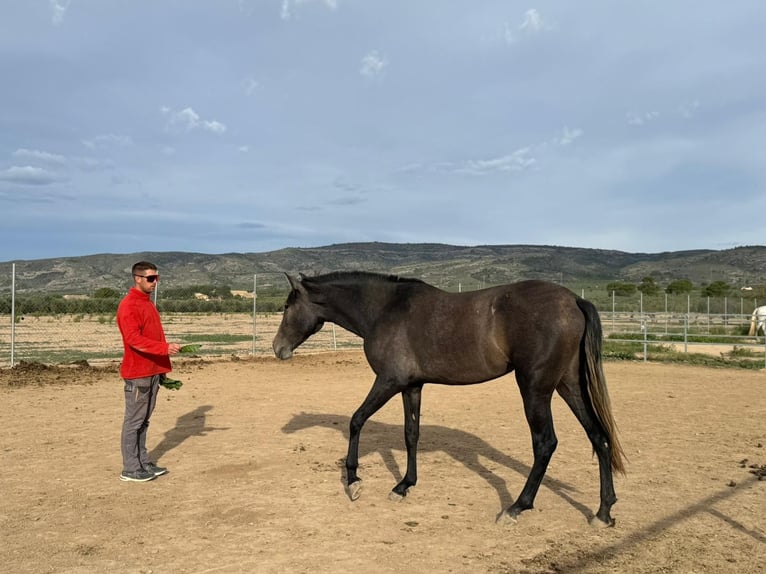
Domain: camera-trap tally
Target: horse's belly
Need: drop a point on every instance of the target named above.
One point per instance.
(462, 367)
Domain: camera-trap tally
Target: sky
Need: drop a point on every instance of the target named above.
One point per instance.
(247, 126)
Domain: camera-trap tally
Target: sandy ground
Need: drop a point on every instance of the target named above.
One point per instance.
(255, 450)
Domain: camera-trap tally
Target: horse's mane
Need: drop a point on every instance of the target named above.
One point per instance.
(358, 277)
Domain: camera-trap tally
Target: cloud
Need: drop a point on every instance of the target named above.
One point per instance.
(91, 164)
(188, 120)
(55, 167)
(373, 65)
(348, 200)
(687, 110)
(517, 161)
(250, 85)
(532, 24)
(635, 119)
(28, 175)
(244, 6)
(567, 136)
(251, 225)
(287, 11)
(40, 156)
(59, 10)
(107, 140)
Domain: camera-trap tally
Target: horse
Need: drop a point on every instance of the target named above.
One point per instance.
(758, 321)
(414, 333)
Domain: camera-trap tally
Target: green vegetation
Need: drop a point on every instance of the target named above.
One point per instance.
(42, 304)
(649, 286)
(716, 289)
(739, 357)
(620, 288)
(191, 292)
(106, 293)
(679, 287)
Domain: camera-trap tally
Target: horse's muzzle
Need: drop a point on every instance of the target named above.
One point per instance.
(282, 352)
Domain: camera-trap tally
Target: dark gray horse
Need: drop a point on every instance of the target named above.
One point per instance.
(415, 333)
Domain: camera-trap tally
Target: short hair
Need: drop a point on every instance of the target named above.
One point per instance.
(143, 266)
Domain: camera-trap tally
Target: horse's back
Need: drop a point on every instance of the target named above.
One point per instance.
(460, 338)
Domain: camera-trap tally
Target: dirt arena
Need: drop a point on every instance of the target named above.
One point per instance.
(255, 450)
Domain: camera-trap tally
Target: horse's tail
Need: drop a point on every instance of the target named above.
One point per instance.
(594, 373)
(753, 325)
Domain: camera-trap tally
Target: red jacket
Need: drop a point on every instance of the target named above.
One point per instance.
(146, 351)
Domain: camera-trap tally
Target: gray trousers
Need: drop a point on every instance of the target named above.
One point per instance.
(140, 398)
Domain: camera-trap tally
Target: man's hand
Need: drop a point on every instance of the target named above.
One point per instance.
(173, 348)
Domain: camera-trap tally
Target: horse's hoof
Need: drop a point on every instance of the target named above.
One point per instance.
(354, 490)
(505, 519)
(596, 522)
(395, 496)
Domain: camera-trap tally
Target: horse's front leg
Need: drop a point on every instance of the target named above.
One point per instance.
(411, 400)
(380, 393)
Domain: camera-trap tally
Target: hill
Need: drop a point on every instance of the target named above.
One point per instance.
(447, 266)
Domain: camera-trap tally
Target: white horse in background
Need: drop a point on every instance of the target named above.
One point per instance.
(758, 321)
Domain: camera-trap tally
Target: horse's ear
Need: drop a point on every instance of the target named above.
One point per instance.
(295, 281)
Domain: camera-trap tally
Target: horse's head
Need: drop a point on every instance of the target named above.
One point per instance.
(300, 319)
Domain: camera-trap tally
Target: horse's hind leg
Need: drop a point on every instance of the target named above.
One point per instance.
(537, 408)
(571, 392)
(411, 400)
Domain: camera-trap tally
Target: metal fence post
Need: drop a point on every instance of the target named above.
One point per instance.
(13, 312)
(646, 341)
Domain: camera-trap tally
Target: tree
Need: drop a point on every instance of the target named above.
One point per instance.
(716, 289)
(620, 289)
(679, 287)
(649, 286)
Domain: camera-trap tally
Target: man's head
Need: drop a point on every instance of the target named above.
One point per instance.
(145, 276)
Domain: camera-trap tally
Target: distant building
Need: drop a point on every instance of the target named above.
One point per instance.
(243, 294)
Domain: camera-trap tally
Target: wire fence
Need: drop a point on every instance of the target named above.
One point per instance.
(60, 329)
(66, 339)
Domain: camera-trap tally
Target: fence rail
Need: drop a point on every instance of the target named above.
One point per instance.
(68, 339)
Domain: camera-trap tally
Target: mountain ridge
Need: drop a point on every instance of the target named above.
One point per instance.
(441, 264)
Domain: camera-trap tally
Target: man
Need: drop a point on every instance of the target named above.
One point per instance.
(145, 361)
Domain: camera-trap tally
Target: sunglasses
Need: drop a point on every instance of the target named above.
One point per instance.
(149, 278)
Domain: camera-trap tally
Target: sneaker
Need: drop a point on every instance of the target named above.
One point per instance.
(137, 476)
(154, 469)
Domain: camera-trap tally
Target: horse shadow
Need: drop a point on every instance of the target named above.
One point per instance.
(187, 425)
(464, 447)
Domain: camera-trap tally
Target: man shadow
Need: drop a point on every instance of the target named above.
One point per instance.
(188, 425)
(464, 447)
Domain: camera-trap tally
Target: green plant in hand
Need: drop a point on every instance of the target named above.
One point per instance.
(171, 384)
(174, 384)
(189, 349)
